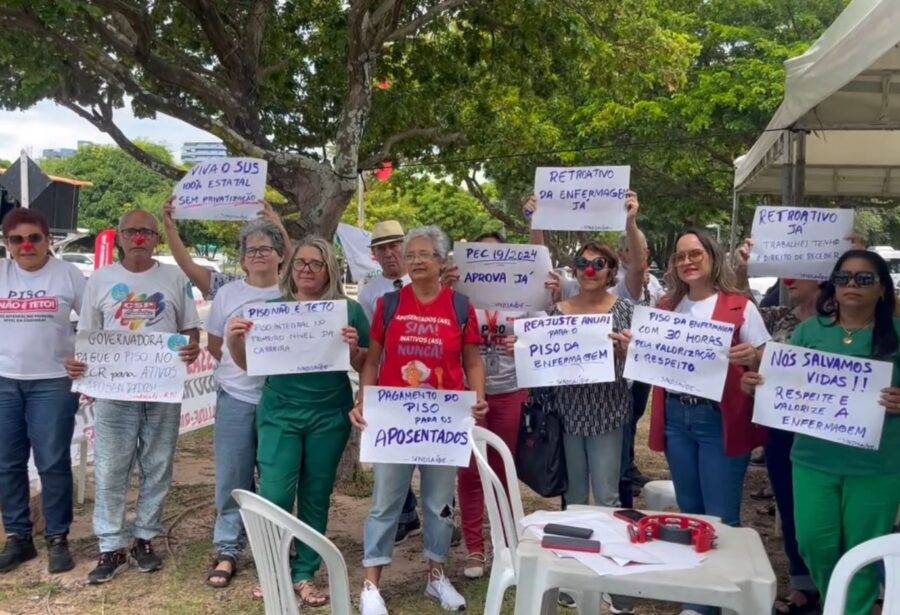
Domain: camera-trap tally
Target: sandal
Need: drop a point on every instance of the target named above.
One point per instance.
(310, 596)
(212, 579)
(785, 606)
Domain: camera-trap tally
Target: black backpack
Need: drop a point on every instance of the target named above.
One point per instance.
(540, 460)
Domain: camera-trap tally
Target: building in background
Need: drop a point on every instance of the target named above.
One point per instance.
(195, 151)
(62, 152)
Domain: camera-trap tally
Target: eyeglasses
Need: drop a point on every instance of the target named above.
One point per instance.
(300, 264)
(691, 256)
(581, 263)
(18, 240)
(863, 279)
(131, 233)
(263, 251)
(420, 256)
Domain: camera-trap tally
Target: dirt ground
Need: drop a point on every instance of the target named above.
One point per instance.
(186, 548)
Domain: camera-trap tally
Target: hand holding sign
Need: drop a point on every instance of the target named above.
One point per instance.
(221, 189)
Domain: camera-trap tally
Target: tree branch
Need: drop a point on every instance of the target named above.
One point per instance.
(493, 208)
(431, 135)
(412, 27)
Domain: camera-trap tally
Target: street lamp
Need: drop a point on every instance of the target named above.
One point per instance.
(718, 228)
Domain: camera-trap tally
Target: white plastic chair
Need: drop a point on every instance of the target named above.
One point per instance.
(885, 548)
(505, 513)
(271, 531)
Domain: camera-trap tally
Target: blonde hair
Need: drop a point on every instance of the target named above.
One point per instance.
(721, 275)
(333, 288)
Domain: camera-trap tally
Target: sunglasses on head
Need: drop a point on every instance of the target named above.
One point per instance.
(18, 240)
(582, 263)
(863, 279)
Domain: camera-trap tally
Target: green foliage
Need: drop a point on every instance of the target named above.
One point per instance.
(416, 200)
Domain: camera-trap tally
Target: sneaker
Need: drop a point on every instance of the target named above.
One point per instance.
(143, 555)
(58, 557)
(475, 563)
(17, 551)
(109, 565)
(565, 600)
(370, 600)
(617, 605)
(689, 612)
(405, 530)
(441, 589)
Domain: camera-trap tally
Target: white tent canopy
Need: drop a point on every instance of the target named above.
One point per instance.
(845, 93)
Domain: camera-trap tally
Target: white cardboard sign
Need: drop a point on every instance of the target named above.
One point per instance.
(417, 426)
(222, 189)
(500, 276)
(581, 198)
(297, 337)
(820, 394)
(128, 366)
(679, 353)
(798, 242)
(565, 349)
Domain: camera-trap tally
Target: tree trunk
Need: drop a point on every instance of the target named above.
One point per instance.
(316, 193)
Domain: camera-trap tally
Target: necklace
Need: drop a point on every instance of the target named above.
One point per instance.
(849, 333)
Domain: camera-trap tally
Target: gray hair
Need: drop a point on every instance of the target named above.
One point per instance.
(124, 216)
(623, 240)
(267, 229)
(433, 234)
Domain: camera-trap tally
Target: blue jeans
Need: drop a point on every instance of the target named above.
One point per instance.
(593, 462)
(36, 415)
(707, 481)
(778, 464)
(129, 432)
(235, 446)
(391, 486)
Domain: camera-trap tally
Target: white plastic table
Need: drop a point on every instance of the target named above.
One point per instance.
(736, 576)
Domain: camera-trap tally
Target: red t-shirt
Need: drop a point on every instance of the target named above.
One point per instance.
(423, 343)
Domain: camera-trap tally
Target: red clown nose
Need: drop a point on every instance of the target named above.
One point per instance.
(140, 240)
(590, 272)
(28, 246)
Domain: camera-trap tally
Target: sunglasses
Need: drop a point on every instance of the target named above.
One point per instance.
(581, 263)
(691, 256)
(18, 240)
(863, 279)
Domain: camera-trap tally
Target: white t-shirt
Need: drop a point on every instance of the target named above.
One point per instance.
(230, 302)
(375, 290)
(34, 318)
(753, 331)
(158, 299)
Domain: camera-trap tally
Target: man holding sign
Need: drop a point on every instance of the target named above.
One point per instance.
(142, 296)
(424, 336)
(846, 485)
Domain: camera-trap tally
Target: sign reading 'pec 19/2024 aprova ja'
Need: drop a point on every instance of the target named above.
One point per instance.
(297, 337)
(821, 394)
(417, 426)
(500, 276)
(581, 198)
(679, 353)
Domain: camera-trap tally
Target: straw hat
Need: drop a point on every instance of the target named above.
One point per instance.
(387, 231)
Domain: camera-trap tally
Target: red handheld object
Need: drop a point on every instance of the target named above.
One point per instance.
(674, 528)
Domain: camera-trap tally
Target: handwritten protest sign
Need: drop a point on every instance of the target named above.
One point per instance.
(131, 366)
(561, 350)
(798, 242)
(297, 337)
(581, 198)
(420, 426)
(499, 276)
(829, 396)
(221, 189)
(680, 353)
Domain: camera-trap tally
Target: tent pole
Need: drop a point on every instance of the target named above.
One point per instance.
(798, 182)
(735, 206)
(787, 170)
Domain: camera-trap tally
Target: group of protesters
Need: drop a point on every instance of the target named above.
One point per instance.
(284, 435)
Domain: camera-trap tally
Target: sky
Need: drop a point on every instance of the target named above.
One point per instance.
(49, 126)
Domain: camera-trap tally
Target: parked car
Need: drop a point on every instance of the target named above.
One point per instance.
(84, 262)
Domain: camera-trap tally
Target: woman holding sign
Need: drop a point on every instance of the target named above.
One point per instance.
(423, 336)
(262, 252)
(844, 495)
(301, 419)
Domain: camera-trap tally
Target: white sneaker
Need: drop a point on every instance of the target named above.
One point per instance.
(370, 600)
(440, 588)
(689, 612)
